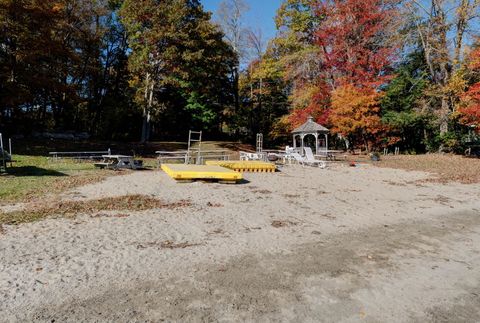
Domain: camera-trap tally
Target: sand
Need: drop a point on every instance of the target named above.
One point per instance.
(304, 244)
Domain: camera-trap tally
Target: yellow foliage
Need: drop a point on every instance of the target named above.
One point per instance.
(57, 7)
(303, 96)
(457, 84)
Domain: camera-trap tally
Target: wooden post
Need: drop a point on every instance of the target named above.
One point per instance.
(4, 166)
(10, 151)
(326, 144)
(303, 143)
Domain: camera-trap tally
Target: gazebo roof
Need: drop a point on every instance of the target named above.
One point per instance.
(310, 127)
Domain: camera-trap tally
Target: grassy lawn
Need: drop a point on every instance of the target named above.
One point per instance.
(34, 176)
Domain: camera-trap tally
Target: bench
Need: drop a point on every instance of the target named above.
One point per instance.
(163, 156)
(79, 155)
(192, 157)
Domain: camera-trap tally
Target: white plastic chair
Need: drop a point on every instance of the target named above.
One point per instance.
(249, 156)
(310, 158)
(306, 161)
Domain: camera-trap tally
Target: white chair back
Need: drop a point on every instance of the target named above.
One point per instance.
(309, 154)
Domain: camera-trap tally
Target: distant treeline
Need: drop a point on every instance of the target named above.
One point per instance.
(378, 73)
(104, 67)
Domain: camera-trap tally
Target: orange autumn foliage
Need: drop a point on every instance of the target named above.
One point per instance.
(355, 112)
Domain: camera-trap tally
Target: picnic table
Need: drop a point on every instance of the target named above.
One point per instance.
(331, 154)
(118, 161)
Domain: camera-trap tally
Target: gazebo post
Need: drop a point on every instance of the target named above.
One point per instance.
(326, 144)
(316, 143)
(294, 142)
(303, 142)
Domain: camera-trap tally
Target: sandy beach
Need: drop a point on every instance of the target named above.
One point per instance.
(304, 244)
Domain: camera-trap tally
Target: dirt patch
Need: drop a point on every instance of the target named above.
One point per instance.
(217, 231)
(167, 245)
(284, 223)
(442, 200)
(262, 191)
(211, 204)
(106, 215)
(292, 196)
(328, 216)
(38, 211)
(395, 183)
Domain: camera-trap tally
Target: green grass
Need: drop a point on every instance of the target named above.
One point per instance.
(34, 176)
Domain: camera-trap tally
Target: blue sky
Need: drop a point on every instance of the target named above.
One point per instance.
(261, 14)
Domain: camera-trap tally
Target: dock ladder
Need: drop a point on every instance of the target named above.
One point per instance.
(194, 137)
(259, 143)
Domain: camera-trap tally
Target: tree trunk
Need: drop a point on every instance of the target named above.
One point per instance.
(236, 97)
(365, 141)
(444, 115)
(146, 126)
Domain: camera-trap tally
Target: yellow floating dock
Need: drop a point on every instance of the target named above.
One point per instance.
(244, 165)
(198, 172)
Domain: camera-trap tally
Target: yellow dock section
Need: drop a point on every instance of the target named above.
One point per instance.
(199, 172)
(244, 165)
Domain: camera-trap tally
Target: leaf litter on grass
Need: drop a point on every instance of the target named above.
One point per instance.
(69, 209)
(444, 167)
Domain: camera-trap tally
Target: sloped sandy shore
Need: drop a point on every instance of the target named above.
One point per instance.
(304, 244)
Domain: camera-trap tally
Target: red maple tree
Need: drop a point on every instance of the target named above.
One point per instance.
(357, 55)
(355, 41)
(470, 112)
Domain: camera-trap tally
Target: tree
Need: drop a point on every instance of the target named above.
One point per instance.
(470, 101)
(355, 114)
(264, 99)
(230, 18)
(357, 56)
(34, 61)
(300, 58)
(401, 104)
(61, 64)
(441, 26)
(355, 41)
(175, 48)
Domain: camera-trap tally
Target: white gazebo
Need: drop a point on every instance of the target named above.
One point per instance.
(310, 128)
